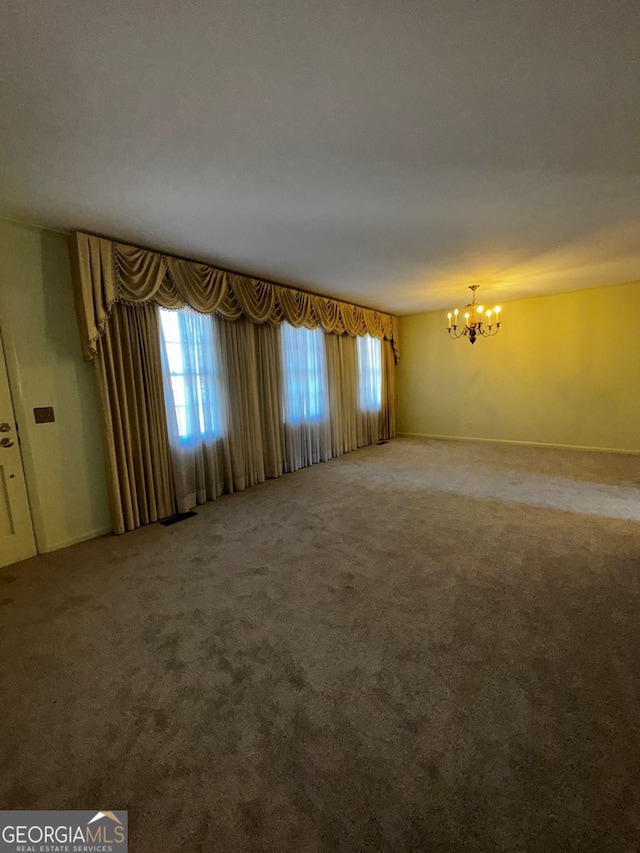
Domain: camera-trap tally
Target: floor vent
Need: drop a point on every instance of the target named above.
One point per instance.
(383, 442)
(174, 519)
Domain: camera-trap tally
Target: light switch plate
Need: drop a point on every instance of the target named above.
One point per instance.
(44, 415)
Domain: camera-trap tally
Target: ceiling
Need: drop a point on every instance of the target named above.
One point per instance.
(388, 153)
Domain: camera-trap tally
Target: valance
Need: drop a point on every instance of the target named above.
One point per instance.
(106, 272)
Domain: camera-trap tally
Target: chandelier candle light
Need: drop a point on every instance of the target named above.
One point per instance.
(474, 326)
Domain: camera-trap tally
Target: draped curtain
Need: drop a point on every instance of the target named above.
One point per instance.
(196, 417)
(343, 384)
(106, 272)
(135, 419)
(153, 470)
(388, 410)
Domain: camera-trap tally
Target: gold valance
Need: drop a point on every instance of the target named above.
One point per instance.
(106, 272)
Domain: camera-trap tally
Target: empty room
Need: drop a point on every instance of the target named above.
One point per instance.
(319, 427)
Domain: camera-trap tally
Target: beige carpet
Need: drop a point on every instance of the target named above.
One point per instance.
(422, 646)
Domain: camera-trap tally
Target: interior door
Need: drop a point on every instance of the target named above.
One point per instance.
(16, 530)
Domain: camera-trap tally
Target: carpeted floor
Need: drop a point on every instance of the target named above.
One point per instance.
(421, 646)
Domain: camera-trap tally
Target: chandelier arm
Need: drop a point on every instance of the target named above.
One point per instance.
(454, 334)
(493, 331)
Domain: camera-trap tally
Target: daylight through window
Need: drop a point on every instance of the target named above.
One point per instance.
(370, 370)
(305, 383)
(192, 365)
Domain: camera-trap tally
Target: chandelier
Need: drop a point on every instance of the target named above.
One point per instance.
(474, 326)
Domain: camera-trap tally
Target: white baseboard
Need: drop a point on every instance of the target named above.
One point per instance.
(426, 436)
(74, 540)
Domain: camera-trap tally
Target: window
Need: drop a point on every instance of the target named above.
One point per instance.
(370, 370)
(192, 366)
(305, 382)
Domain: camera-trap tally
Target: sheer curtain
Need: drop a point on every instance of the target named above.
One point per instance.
(196, 406)
(307, 431)
(369, 389)
(223, 392)
(246, 436)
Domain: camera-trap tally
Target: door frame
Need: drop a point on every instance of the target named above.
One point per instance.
(8, 352)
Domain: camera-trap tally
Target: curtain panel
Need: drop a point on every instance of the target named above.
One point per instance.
(106, 272)
(130, 383)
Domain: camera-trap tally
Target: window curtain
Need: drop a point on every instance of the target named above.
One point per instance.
(106, 272)
(357, 413)
(119, 290)
(252, 444)
(387, 427)
(369, 392)
(343, 388)
(246, 403)
(129, 375)
(307, 431)
(245, 445)
(196, 415)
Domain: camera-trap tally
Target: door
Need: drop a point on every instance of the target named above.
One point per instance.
(16, 531)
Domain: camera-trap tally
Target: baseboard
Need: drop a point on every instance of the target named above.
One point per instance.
(74, 540)
(426, 436)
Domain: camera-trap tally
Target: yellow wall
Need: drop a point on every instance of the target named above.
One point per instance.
(562, 370)
(63, 461)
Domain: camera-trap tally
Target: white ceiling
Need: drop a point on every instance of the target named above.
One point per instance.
(389, 153)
